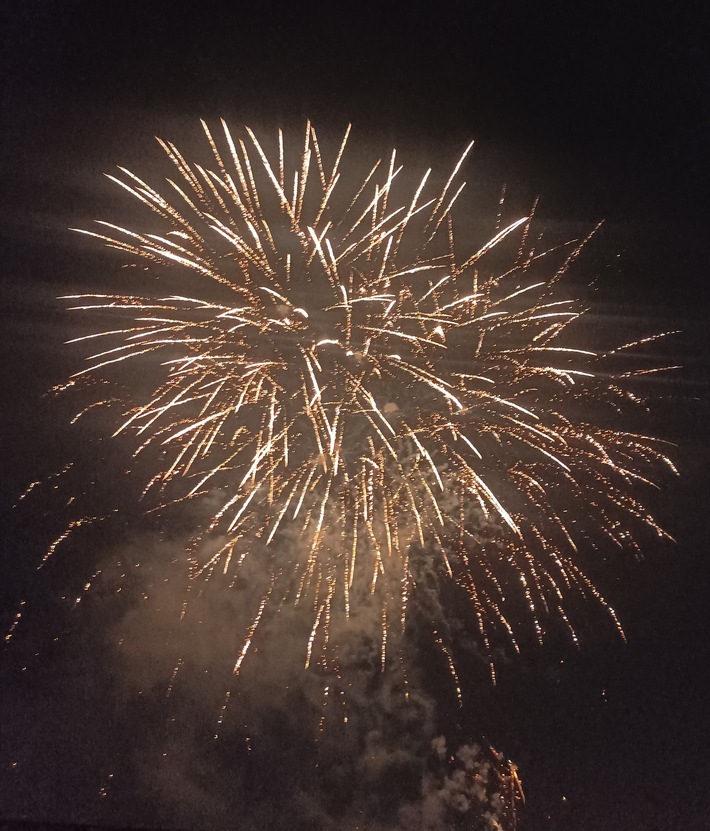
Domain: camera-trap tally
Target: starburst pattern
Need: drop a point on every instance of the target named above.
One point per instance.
(346, 390)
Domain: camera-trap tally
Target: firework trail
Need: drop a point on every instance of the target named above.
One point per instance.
(353, 397)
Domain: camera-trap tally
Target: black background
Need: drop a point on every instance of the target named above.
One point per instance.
(601, 108)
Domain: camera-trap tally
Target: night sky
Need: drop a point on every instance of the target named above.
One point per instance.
(599, 108)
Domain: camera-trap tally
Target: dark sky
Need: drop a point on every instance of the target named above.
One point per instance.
(600, 108)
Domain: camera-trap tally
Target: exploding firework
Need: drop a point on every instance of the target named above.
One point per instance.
(359, 405)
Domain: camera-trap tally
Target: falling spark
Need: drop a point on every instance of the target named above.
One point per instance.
(15, 622)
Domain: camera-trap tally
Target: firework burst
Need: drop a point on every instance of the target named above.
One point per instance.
(352, 397)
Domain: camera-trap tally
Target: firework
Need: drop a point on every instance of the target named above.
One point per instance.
(358, 403)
